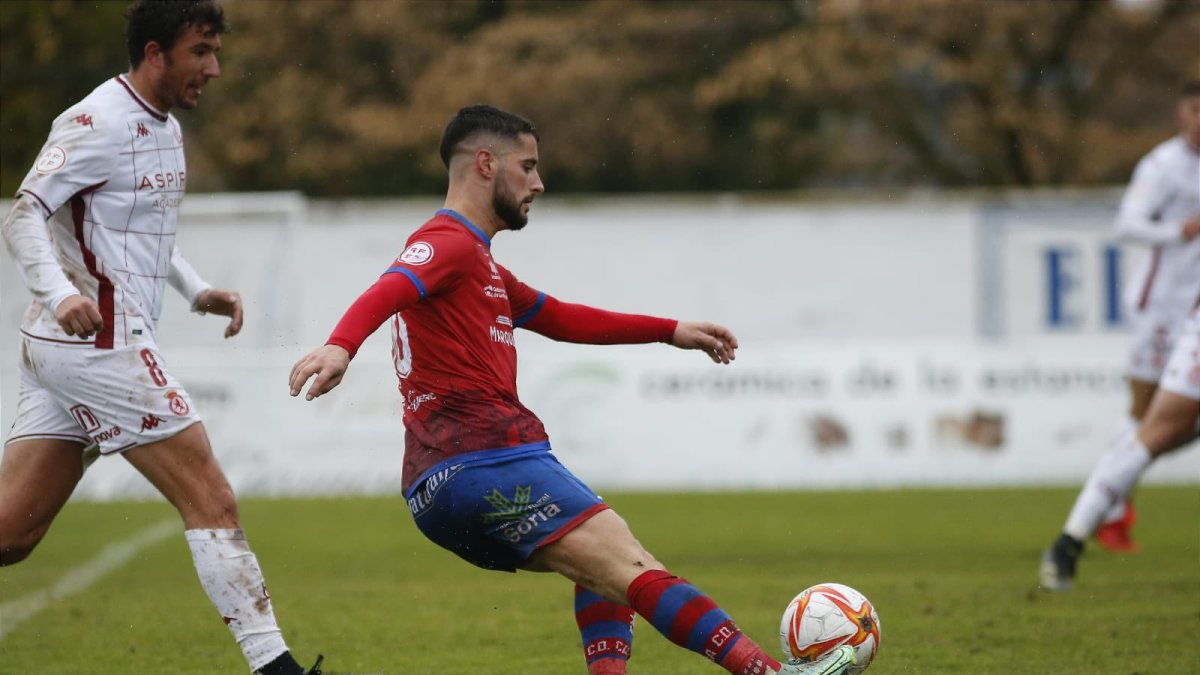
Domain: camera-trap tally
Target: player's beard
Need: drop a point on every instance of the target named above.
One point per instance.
(506, 205)
(172, 87)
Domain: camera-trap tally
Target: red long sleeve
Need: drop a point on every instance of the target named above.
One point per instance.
(567, 322)
(388, 296)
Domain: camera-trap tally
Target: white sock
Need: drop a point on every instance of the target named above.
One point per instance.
(1110, 483)
(1116, 513)
(231, 577)
(1126, 430)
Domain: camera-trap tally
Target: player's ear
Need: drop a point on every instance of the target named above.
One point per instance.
(154, 55)
(485, 162)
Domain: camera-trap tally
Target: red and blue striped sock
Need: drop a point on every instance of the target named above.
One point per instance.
(607, 630)
(690, 619)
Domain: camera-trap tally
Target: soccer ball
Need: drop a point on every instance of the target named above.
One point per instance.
(825, 617)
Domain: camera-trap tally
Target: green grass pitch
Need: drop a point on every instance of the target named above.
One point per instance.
(951, 572)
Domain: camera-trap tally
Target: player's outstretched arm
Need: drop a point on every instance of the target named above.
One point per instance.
(717, 341)
(225, 303)
(329, 364)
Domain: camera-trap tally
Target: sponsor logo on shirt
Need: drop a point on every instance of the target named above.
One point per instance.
(504, 337)
(504, 321)
(423, 497)
(53, 159)
(91, 425)
(85, 418)
(495, 292)
(168, 202)
(106, 435)
(521, 515)
(417, 253)
(415, 401)
(169, 179)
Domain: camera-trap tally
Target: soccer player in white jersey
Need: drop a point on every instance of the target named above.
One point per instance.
(1171, 422)
(92, 231)
(1160, 209)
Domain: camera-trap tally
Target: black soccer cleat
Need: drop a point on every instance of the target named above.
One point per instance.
(285, 664)
(1058, 563)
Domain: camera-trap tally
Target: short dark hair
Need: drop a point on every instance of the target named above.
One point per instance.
(163, 21)
(481, 118)
(1189, 89)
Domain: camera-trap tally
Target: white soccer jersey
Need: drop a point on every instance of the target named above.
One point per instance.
(1163, 194)
(110, 180)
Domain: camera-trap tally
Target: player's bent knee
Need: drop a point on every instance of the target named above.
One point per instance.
(15, 548)
(13, 555)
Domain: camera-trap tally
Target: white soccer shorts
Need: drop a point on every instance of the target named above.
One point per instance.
(1150, 346)
(115, 398)
(1182, 374)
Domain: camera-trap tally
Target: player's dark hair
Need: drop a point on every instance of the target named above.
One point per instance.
(163, 21)
(477, 119)
(1189, 89)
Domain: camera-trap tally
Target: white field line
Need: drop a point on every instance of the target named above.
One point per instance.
(16, 612)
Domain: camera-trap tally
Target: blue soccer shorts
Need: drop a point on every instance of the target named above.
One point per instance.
(496, 507)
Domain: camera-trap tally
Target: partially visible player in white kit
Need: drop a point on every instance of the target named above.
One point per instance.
(1160, 209)
(92, 231)
(1171, 422)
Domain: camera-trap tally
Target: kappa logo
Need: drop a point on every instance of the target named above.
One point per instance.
(84, 120)
(142, 131)
(417, 253)
(151, 422)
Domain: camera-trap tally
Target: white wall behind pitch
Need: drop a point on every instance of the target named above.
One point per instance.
(835, 286)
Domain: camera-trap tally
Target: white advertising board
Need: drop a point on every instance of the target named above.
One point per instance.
(924, 341)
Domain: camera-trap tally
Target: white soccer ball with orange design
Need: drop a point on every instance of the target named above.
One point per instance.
(825, 617)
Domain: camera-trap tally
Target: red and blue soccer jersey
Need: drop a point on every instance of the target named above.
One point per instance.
(452, 311)
(454, 351)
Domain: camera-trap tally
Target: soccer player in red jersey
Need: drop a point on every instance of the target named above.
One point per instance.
(479, 476)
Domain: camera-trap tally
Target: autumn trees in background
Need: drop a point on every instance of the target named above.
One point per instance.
(348, 97)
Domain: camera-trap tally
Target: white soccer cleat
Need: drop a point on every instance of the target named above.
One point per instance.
(836, 662)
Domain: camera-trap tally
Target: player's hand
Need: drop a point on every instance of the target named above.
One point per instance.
(225, 303)
(79, 316)
(329, 364)
(1191, 228)
(716, 341)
